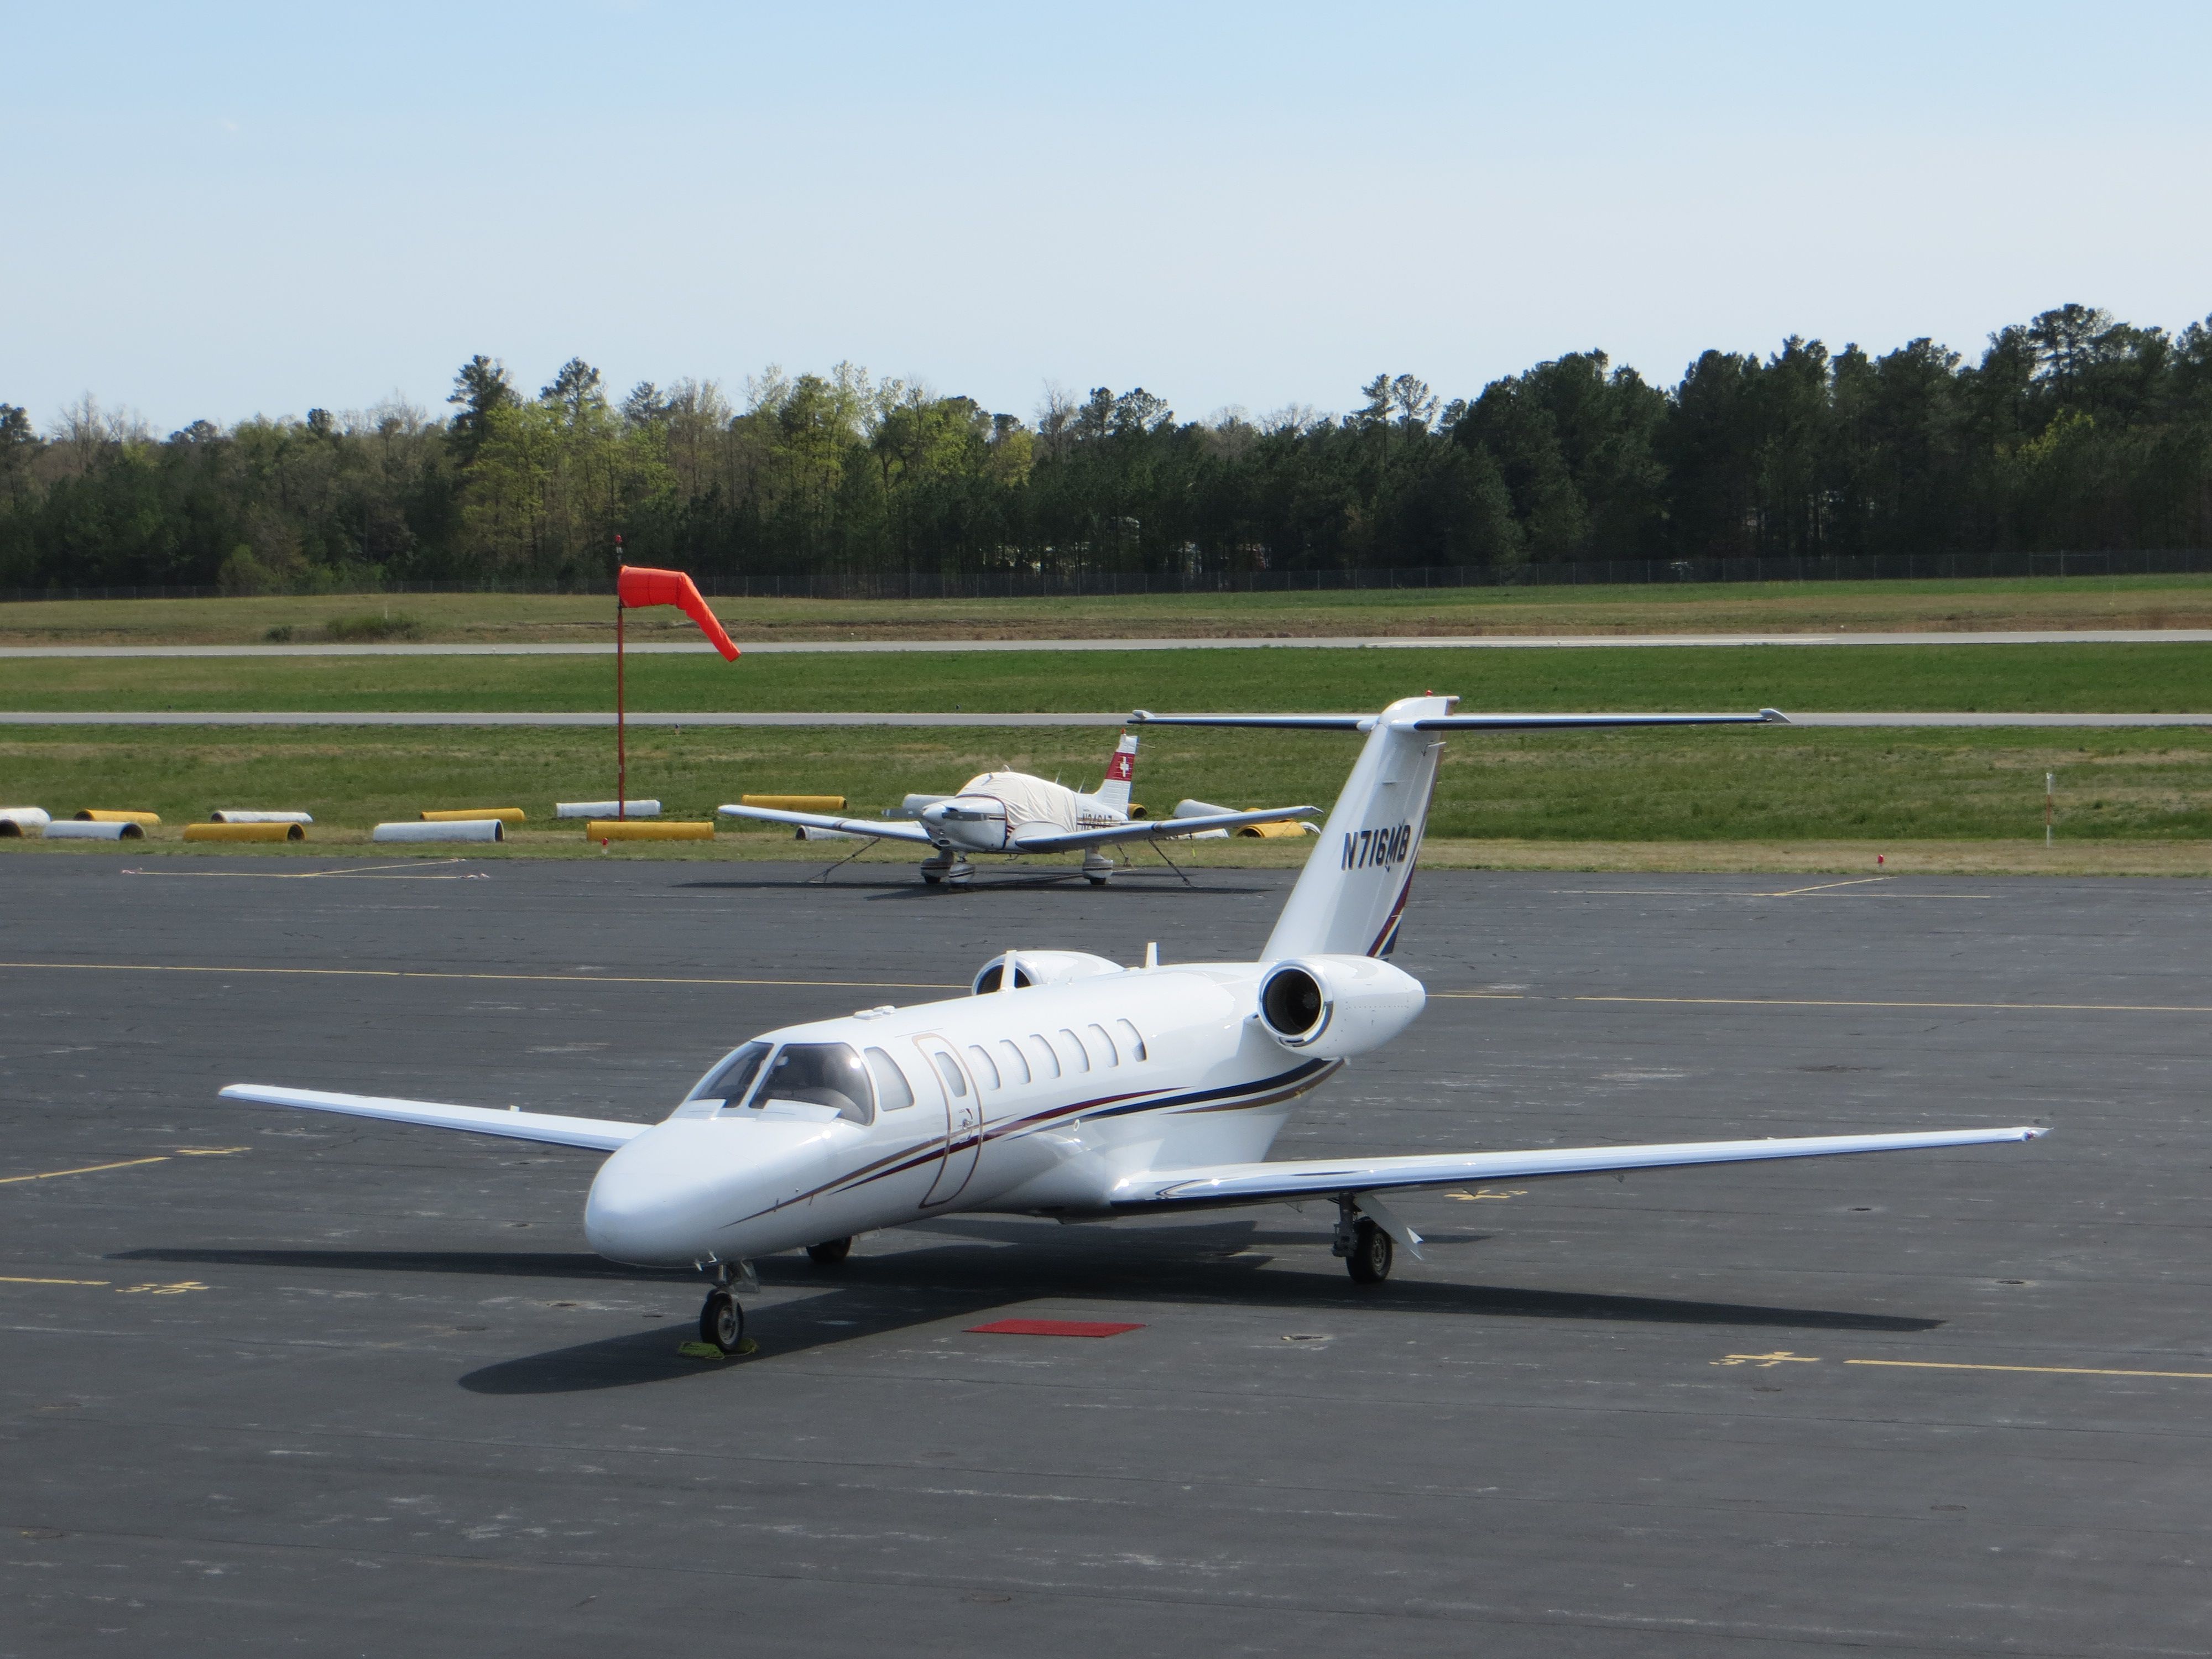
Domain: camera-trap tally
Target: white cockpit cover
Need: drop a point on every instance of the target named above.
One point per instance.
(1028, 800)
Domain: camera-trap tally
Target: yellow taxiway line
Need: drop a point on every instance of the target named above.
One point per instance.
(90, 1169)
(2039, 1370)
(534, 978)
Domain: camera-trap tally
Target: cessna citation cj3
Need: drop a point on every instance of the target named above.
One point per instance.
(1014, 813)
(1069, 1086)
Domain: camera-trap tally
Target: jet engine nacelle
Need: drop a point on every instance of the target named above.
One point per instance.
(1043, 968)
(1332, 1007)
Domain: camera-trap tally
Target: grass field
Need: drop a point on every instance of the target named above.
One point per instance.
(1767, 786)
(1796, 607)
(2086, 679)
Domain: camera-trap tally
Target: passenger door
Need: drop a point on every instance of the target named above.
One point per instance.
(964, 1120)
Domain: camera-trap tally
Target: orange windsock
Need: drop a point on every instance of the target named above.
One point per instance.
(637, 588)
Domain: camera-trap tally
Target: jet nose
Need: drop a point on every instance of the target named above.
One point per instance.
(647, 1202)
(682, 1191)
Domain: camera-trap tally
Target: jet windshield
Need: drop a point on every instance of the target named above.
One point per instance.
(820, 1074)
(727, 1082)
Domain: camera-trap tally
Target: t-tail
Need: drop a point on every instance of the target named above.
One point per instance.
(1351, 897)
(1114, 791)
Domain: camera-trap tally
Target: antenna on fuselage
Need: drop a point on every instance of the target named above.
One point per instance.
(1152, 953)
(1006, 980)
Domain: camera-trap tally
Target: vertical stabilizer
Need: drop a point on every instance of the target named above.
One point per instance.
(1114, 791)
(1352, 893)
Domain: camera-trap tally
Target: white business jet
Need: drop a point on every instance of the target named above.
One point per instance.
(1014, 813)
(1070, 1086)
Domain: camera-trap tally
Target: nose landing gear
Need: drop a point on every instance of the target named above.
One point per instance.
(721, 1320)
(948, 868)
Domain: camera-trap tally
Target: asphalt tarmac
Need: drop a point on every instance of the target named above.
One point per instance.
(279, 1383)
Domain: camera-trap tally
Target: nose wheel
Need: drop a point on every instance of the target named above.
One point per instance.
(722, 1321)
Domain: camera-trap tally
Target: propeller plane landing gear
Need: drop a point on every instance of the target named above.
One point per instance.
(1098, 868)
(948, 869)
(1367, 1250)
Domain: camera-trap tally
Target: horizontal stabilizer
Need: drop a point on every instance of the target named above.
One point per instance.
(1047, 839)
(873, 829)
(593, 1134)
(1260, 1183)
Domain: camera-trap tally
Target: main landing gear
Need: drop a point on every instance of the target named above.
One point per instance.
(721, 1320)
(829, 1252)
(1366, 1248)
(1096, 868)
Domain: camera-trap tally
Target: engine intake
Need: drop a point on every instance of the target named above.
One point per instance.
(1335, 1006)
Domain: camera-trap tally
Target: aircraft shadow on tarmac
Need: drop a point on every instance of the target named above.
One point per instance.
(987, 1266)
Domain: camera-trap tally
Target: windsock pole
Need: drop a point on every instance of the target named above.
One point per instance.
(621, 748)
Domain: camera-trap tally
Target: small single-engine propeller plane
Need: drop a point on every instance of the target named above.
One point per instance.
(1070, 1086)
(1013, 812)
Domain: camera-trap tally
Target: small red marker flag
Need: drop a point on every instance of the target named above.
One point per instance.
(636, 587)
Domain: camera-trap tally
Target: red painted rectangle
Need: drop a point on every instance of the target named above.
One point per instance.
(1052, 1327)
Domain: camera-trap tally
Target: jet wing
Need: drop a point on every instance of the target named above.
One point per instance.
(593, 1134)
(883, 829)
(1045, 839)
(1264, 1183)
(1458, 722)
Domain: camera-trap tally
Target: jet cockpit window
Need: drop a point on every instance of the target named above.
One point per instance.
(726, 1083)
(819, 1074)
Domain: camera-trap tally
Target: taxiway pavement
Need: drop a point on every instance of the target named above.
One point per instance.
(272, 1383)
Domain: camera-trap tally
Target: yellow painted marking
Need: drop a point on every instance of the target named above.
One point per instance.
(90, 1169)
(9, 1279)
(2039, 1370)
(1477, 1196)
(1840, 1002)
(1767, 1362)
(310, 875)
(210, 1152)
(1823, 887)
(177, 1289)
(1794, 892)
(535, 979)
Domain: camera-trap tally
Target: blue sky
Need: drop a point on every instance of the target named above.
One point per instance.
(223, 210)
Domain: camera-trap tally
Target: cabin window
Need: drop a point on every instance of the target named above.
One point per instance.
(892, 1087)
(951, 1067)
(985, 1069)
(1016, 1068)
(1082, 1054)
(1131, 1040)
(820, 1074)
(1047, 1062)
(1106, 1045)
(727, 1083)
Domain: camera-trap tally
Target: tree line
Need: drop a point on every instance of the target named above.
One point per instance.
(2073, 431)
